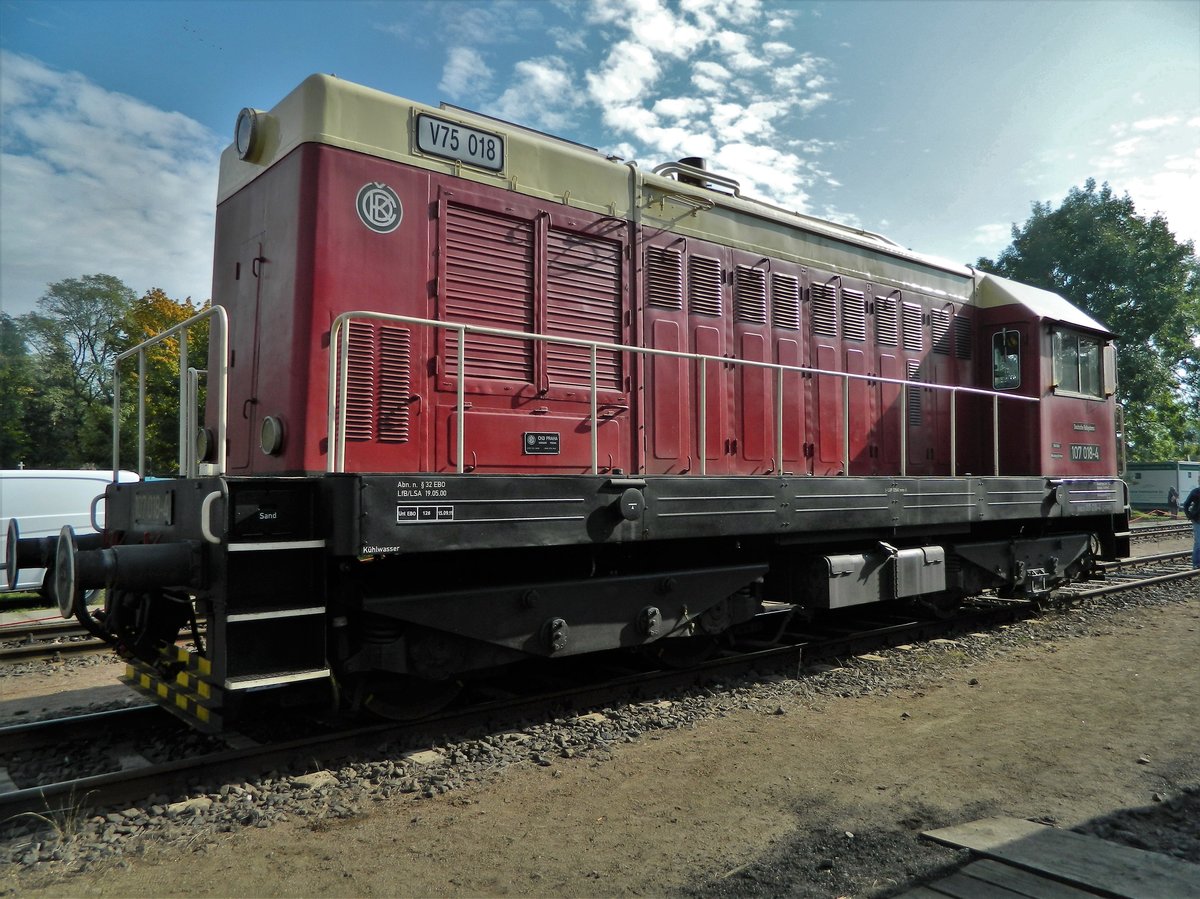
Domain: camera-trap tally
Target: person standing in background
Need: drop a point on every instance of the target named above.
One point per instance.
(1191, 509)
(1173, 501)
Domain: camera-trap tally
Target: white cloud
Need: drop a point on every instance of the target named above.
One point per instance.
(711, 78)
(465, 72)
(735, 47)
(498, 22)
(682, 108)
(1154, 124)
(1175, 192)
(1159, 167)
(625, 75)
(994, 234)
(93, 181)
(543, 93)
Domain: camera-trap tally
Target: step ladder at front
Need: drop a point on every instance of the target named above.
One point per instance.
(272, 630)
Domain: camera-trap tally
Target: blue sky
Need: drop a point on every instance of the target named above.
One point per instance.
(935, 123)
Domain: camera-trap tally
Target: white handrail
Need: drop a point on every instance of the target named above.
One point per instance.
(339, 371)
(219, 334)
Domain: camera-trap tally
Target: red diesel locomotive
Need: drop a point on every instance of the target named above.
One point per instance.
(476, 394)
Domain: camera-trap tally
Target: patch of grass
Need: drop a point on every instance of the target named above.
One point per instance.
(60, 827)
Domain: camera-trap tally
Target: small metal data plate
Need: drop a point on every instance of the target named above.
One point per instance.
(540, 443)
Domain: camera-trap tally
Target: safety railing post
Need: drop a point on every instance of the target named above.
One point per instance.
(595, 419)
(142, 413)
(188, 418)
(846, 426)
(116, 416)
(339, 462)
(184, 414)
(954, 433)
(220, 317)
(996, 435)
(462, 397)
(903, 430)
(332, 399)
(779, 417)
(703, 415)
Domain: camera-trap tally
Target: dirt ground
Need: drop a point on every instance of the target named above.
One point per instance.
(1062, 732)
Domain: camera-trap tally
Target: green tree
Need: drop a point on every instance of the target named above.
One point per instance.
(74, 335)
(18, 388)
(1130, 273)
(78, 324)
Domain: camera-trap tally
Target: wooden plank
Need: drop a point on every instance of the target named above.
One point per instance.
(963, 886)
(984, 834)
(1024, 882)
(1105, 868)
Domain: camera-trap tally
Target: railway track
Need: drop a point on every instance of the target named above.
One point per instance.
(1134, 573)
(1158, 531)
(47, 638)
(43, 638)
(127, 771)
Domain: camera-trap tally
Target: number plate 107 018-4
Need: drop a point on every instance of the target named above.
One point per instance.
(450, 140)
(1085, 452)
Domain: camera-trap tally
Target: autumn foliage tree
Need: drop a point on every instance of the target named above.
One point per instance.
(1130, 273)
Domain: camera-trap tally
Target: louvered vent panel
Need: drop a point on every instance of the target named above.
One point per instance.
(395, 383)
(854, 315)
(750, 295)
(964, 337)
(939, 326)
(489, 281)
(785, 302)
(583, 300)
(664, 278)
(887, 321)
(914, 339)
(704, 286)
(360, 382)
(824, 314)
(914, 393)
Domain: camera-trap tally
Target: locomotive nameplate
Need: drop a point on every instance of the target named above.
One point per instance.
(540, 443)
(1085, 452)
(438, 137)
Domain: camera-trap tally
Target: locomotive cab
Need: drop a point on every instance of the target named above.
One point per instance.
(1040, 346)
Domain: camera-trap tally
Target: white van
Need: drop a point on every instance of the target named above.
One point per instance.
(43, 501)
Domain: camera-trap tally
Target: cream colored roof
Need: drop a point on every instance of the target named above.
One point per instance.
(992, 290)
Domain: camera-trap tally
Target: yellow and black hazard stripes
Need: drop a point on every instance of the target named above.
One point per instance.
(189, 695)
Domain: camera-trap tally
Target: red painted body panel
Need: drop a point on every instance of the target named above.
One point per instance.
(293, 254)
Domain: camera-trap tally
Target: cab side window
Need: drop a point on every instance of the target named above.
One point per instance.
(1077, 364)
(1006, 360)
